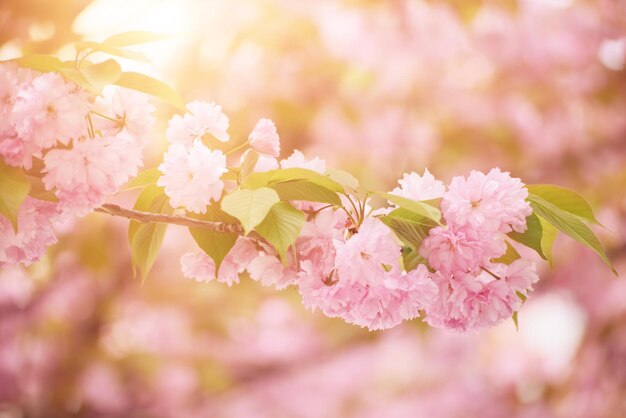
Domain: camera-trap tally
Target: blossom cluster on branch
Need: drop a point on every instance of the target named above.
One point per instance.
(446, 253)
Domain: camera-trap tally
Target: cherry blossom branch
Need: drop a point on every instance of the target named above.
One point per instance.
(146, 217)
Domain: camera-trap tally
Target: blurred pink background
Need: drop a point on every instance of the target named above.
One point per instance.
(536, 87)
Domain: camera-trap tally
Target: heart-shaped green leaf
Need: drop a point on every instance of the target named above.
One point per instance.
(250, 206)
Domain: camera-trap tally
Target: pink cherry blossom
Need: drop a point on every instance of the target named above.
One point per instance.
(416, 187)
(298, 160)
(265, 163)
(521, 275)
(36, 111)
(269, 270)
(91, 170)
(471, 302)
(461, 249)
(131, 108)
(368, 254)
(315, 242)
(202, 119)
(199, 266)
(416, 291)
(50, 110)
(16, 152)
(367, 286)
(13, 149)
(34, 233)
(12, 77)
(495, 201)
(264, 138)
(237, 260)
(191, 177)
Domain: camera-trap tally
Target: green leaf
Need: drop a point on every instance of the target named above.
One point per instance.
(47, 63)
(307, 191)
(42, 63)
(418, 207)
(151, 86)
(38, 190)
(215, 244)
(102, 74)
(514, 316)
(14, 187)
(547, 239)
(267, 178)
(569, 224)
(146, 239)
(409, 232)
(134, 38)
(343, 177)
(424, 222)
(111, 50)
(565, 199)
(73, 75)
(510, 256)
(145, 178)
(411, 259)
(250, 206)
(532, 236)
(281, 227)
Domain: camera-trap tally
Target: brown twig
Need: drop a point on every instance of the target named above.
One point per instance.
(146, 217)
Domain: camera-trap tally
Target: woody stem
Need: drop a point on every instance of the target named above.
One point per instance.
(147, 217)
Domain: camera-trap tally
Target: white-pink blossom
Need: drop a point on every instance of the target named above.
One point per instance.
(416, 187)
(191, 177)
(202, 119)
(298, 160)
(264, 138)
(132, 111)
(265, 163)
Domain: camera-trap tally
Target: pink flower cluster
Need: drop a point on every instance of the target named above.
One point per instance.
(34, 233)
(85, 147)
(360, 278)
(474, 291)
(37, 112)
(355, 272)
